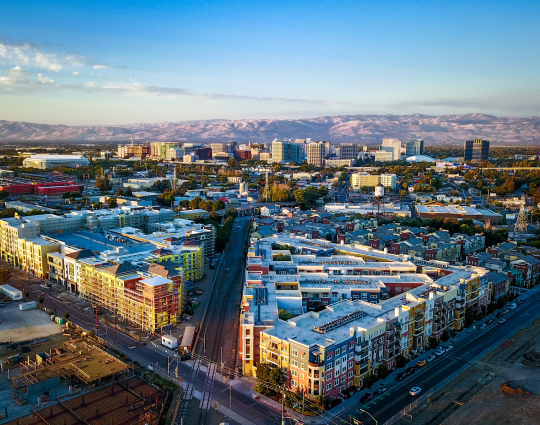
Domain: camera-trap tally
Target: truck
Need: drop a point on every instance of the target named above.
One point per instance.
(10, 291)
(169, 341)
(27, 306)
(187, 339)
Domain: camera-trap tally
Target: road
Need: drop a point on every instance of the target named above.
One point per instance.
(438, 370)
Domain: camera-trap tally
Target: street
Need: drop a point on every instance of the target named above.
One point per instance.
(466, 349)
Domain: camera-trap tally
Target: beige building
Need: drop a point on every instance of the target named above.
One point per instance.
(315, 153)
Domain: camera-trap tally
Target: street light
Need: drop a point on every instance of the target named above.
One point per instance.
(376, 422)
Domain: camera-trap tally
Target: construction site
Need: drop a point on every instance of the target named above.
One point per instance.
(502, 387)
(77, 383)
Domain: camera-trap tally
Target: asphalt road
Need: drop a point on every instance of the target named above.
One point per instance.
(466, 349)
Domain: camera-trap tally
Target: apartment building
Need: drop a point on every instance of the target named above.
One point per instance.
(315, 153)
(347, 151)
(352, 308)
(359, 180)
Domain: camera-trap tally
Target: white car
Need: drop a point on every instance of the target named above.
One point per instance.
(415, 391)
(512, 306)
(447, 348)
(439, 352)
(430, 358)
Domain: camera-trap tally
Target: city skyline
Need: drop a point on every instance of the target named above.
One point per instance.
(103, 64)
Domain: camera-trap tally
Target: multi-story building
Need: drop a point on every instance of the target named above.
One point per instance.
(347, 151)
(315, 152)
(414, 147)
(159, 149)
(287, 151)
(383, 156)
(204, 153)
(51, 188)
(337, 335)
(134, 151)
(368, 180)
(476, 150)
(393, 146)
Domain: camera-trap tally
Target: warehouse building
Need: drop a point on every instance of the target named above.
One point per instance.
(44, 161)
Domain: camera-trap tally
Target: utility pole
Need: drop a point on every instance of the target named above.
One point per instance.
(230, 391)
(303, 400)
(283, 407)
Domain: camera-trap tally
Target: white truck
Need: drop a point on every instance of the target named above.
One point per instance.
(169, 341)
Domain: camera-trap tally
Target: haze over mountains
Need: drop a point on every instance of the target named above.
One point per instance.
(366, 129)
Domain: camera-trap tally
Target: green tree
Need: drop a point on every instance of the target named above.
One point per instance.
(194, 203)
(232, 163)
(4, 194)
(119, 192)
(469, 317)
(111, 202)
(433, 342)
(382, 371)
(445, 335)
(128, 191)
(401, 361)
(285, 315)
(218, 205)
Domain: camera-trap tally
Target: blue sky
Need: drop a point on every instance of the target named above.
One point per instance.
(120, 62)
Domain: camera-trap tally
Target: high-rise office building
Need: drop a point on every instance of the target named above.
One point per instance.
(347, 151)
(231, 146)
(217, 147)
(287, 151)
(415, 147)
(476, 150)
(393, 146)
(315, 153)
(161, 148)
(191, 147)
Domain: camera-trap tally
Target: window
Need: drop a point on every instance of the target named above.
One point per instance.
(294, 363)
(337, 362)
(329, 366)
(336, 382)
(325, 302)
(337, 352)
(328, 376)
(304, 356)
(343, 379)
(334, 294)
(344, 296)
(295, 353)
(364, 295)
(373, 296)
(328, 356)
(355, 296)
(328, 387)
(294, 373)
(350, 375)
(294, 383)
(302, 366)
(344, 349)
(301, 376)
(325, 294)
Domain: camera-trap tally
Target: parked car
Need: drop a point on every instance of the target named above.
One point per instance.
(521, 301)
(512, 306)
(421, 363)
(447, 348)
(482, 326)
(499, 314)
(430, 358)
(380, 391)
(489, 321)
(401, 376)
(365, 398)
(502, 320)
(415, 391)
(410, 370)
(439, 352)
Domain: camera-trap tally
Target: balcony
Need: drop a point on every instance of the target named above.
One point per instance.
(419, 317)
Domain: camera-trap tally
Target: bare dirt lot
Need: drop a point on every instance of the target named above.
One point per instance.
(502, 388)
(23, 327)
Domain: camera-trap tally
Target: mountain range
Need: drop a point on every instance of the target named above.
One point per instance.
(365, 129)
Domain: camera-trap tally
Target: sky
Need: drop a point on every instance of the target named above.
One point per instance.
(107, 62)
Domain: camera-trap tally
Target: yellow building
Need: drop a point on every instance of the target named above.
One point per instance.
(33, 255)
(190, 259)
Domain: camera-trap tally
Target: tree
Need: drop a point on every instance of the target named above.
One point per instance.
(231, 212)
(501, 301)
(111, 202)
(329, 237)
(128, 191)
(469, 317)
(194, 203)
(232, 163)
(218, 205)
(445, 335)
(5, 274)
(119, 192)
(401, 361)
(4, 194)
(383, 371)
(433, 342)
(285, 315)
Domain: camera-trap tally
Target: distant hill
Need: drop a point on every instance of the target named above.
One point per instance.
(366, 129)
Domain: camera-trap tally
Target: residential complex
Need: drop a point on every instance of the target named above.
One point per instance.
(350, 309)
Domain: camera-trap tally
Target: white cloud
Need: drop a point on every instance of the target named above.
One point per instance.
(75, 73)
(46, 80)
(40, 56)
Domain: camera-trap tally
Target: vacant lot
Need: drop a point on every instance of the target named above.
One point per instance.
(23, 327)
(476, 397)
